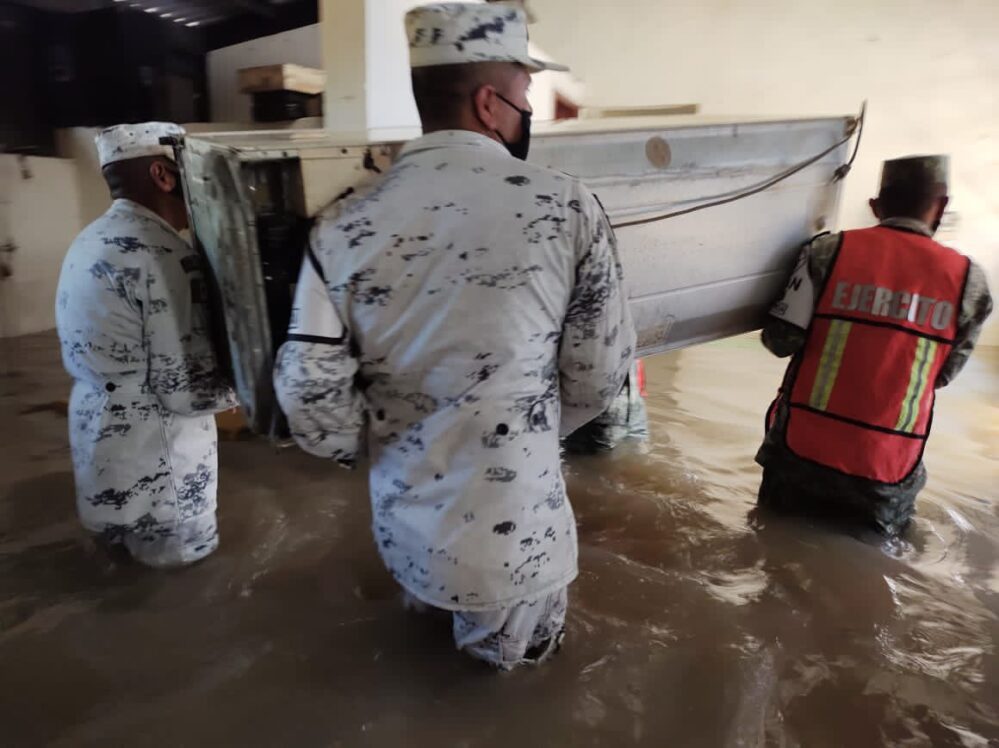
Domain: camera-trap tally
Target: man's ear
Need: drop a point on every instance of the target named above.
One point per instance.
(942, 204)
(875, 207)
(938, 212)
(484, 102)
(163, 176)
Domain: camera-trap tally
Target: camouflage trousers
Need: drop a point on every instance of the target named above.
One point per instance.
(626, 418)
(527, 633)
(166, 545)
(836, 501)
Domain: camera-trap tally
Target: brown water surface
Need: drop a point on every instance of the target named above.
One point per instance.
(692, 623)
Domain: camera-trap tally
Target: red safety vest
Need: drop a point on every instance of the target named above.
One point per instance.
(862, 390)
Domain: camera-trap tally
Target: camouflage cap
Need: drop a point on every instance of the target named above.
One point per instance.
(124, 142)
(912, 170)
(461, 33)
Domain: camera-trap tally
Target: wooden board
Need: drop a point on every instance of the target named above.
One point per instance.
(282, 78)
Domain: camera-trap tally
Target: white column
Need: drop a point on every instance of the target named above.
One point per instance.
(389, 91)
(342, 29)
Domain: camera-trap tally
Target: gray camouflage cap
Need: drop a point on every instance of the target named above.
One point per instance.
(461, 33)
(123, 142)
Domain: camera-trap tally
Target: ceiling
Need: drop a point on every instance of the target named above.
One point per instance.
(191, 13)
(205, 13)
(216, 23)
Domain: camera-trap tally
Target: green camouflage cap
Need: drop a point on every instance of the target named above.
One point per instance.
(912, 170)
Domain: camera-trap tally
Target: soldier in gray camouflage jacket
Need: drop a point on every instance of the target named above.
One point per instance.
(462, 315)
(132, 326)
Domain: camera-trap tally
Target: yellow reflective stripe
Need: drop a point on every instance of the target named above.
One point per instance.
(919, 380)
(832, 356)
(905, 413)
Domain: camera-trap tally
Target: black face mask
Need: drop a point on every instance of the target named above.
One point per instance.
(519, 147)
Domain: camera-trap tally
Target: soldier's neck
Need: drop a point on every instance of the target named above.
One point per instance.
(176, 217)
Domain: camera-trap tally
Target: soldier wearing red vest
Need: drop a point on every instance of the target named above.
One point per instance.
(876, 320)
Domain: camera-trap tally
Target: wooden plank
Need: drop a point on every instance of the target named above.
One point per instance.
(282, 78)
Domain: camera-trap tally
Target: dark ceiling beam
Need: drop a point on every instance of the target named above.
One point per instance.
(257, 7)
(246, 26)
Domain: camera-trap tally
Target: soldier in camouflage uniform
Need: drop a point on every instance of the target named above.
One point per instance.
(132, 326)
(911, 201)
(462, 315)
(625, 420)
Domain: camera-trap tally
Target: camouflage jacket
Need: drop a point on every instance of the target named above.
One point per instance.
(477, 301)
(133, 328)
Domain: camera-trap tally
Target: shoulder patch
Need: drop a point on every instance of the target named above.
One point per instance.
(798, 301)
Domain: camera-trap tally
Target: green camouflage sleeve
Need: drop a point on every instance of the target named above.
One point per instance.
(787, 324)
(976, 306)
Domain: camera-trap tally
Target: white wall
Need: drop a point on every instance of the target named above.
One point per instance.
(389, 96)
(544, 87)
(296, 47)
(77, 144)
(40, 215)
(930, 71)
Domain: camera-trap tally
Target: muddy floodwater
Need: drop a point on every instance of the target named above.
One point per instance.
(693, 622)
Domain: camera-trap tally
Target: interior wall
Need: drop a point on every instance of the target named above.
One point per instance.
(77, 144)
(296, 47)
(40, 217)
(544, 87)
(929, 70)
